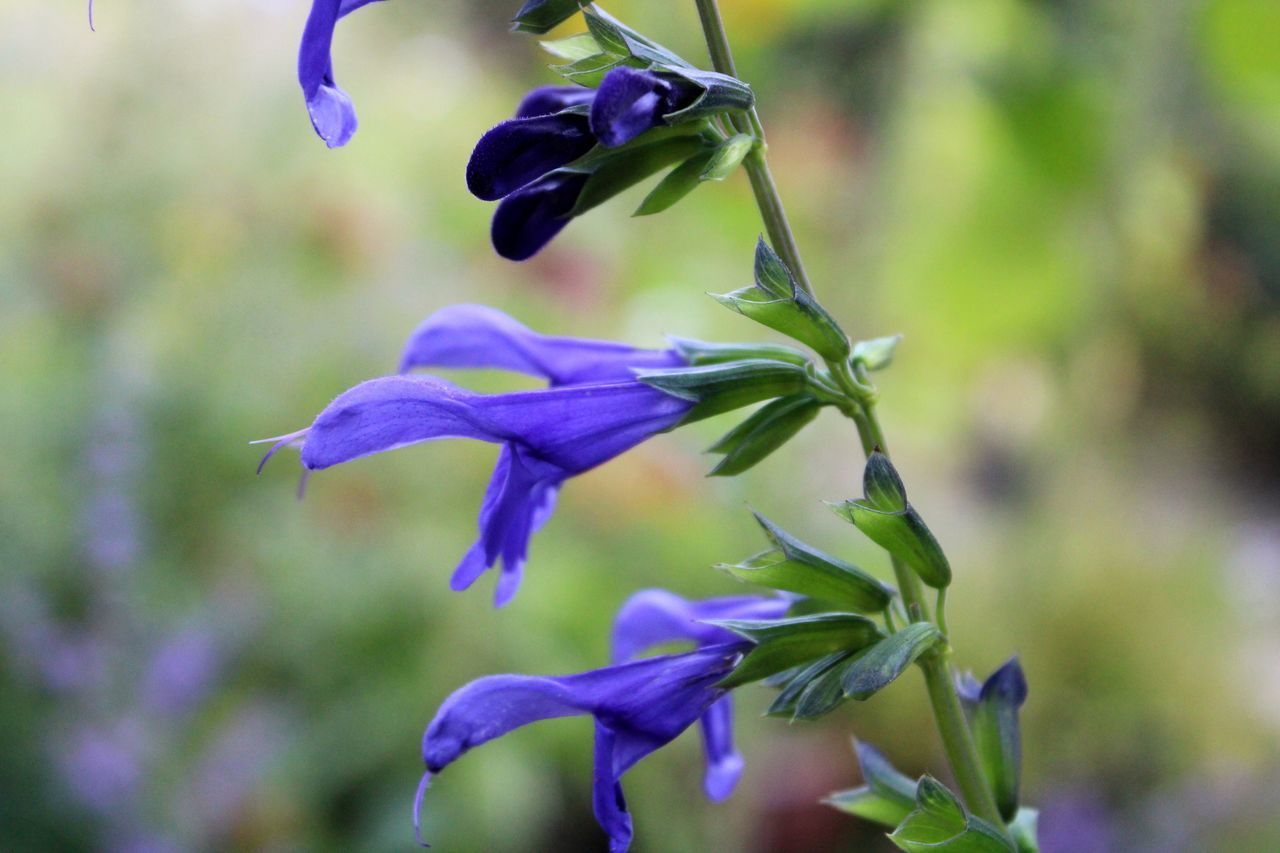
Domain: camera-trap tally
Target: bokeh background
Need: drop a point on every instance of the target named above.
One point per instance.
(1069, 209)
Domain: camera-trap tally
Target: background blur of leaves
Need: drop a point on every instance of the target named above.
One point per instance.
(1069, 207)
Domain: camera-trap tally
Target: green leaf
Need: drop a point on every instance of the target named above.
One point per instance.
(798, 678)
(1025, 830)
(728, 157)
(883, 777)
(717, 388)
(876, 354)
(804, 569)
(539, 16)
(776, 301)
(611, 175)
(881, 484)
(904, 535)
(878, 666)
(607, 33)
(940, 824)
(784, 643)
(573, 48)
(644, 51)
(869, 805)
(590, 70)
(764, 432)
(678, 183)
(702, 352)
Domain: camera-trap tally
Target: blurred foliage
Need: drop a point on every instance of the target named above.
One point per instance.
(1067, 206)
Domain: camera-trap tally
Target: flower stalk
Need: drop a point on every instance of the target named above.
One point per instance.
(957, 740)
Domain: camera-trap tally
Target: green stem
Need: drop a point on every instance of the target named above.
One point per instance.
(957, 740)
(756, 165)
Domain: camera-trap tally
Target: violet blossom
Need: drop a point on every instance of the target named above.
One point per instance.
(331, 111)
(594, 411)
(638, 708)
(655, 616)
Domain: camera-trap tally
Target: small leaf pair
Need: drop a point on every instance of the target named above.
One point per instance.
(885, 516)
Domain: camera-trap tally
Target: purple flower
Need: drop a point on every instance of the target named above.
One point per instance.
(332, 114)
(638, 708)
(631, 101)
(546, 435)
(521, 150)
(529, 218)
(656, 616)
(545, 100)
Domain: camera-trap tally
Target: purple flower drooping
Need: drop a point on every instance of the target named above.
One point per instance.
(595, 411)
(656, 616)
(631, 101)
(638, 708)
(331, 111)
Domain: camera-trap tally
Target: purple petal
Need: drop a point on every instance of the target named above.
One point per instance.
(655, 616)
(479, 336)
(607, 799)
(724, 763)
(521, 150)
(630, 101)
(331, 111)
(529, 218)
(646, 704)
(552, 99)
(395, 411)
(1006, 686)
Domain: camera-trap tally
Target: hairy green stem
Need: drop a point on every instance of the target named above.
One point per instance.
(756, 165)
(957, 740)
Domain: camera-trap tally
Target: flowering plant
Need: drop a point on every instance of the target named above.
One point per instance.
(823, 631)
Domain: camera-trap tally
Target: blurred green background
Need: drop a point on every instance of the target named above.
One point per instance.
(1068, 207)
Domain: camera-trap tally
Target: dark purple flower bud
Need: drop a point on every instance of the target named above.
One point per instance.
(521, 150)
(630, 101)
(638, 708)
(546, 100)
(480, 336)
(332, 114)
(529, 218)
(656, 616)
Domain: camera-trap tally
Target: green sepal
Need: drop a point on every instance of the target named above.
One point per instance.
(880, 665)
(867, 804)
(728, 157)
(572, 48)
(616, 37)
(886, 796)
(876, 354)
(1025, 830)
(720, 94)
(703, 352)
(881, 485)
(939, 824)
(797, 679)
(797, 567)
(677, 184)
(717, 388)
(993, 719)
(904, 535)
(784, 643)
(539, 16)
(777, 301)
(626, 166)
(824, 693)
(765, 431)
(590, 70)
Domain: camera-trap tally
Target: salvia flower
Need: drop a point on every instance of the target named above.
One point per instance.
(638, 708)
(631, 101)
(656, 616)
(595, 411)
(332, 114)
